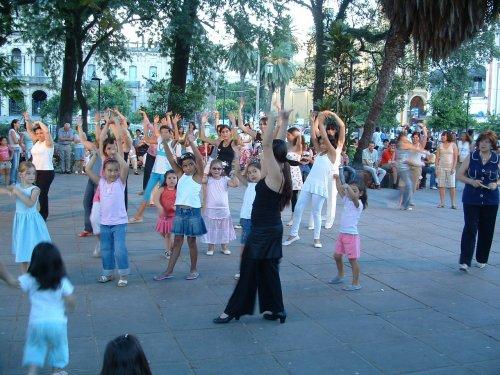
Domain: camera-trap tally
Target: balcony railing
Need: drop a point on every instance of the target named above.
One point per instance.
(133, 84)
(32, 80)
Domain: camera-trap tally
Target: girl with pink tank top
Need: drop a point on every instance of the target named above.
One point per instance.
(113, 217)
(217, 217)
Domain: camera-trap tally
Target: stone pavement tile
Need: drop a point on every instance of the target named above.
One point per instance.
(175, 292)
(83, 354)
(406, 281)
(492, 331)
(455, 370)
(310, 288)
(255, 364)
(388, 300)
(7, 328)
(160, 347)
(80, 325)
(400, 356)
(482, 291)
(338, 360)
(293, 273)
(276, 337)
(319, 307)
(170, 368)
(11, 308)
(122, 321)
(230, 340)
(439, 297)
(464, 346)
(182, 318)
(491, 274)
(486, 367)
(475, 314)
(381, 267)
(362, 329)
(420, 265)
(420, 322)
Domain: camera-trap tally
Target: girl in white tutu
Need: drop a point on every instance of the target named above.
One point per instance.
(165, 201)
(216, 214)
(29, 228)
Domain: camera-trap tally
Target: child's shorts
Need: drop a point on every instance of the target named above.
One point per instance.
(246, 226)
(188, 222)
(348, 245)
(46, 340)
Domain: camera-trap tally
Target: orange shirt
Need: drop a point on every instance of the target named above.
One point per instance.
(387, 156)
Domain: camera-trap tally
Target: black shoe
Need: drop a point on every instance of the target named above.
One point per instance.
(225, 320)
(275, 316)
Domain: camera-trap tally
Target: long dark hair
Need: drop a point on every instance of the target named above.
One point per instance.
(170, 171)
(13, 122)
(280, 151)
(362, 189)
(124, 356)
(47, 266)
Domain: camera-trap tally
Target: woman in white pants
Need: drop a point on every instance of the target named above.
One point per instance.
(331, 203)
(315, 188)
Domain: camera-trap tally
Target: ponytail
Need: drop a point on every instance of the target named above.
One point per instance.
(286, 191)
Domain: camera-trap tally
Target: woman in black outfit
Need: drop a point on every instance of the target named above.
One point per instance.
(259, 269)
(225, 152)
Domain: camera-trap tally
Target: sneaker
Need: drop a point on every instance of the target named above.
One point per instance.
(225, 251)
(480, 265)
(434, 188)
(290, 241)
(351, 288)
(310, 227)
(167, 254)
(237, 226)
(317, 245)
(463, 267)
(336, 280)
(237, 276)
(328, 225)
(290, 223)
(210, 252)
(97, 251)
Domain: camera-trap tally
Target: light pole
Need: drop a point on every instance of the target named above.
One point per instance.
(269, 71)
(468, 102)
(223, 104)
(95, 78)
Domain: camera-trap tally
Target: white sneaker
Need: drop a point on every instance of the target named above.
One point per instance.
(290, 223)
(225, 251)
(237, 276)
(310, 227)
(290, 241)
(210, 252)
(463, 267)
(328, 225)
(480, 265)
(237, 226)
(318, 245)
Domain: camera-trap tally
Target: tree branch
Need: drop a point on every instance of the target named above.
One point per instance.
(367, 35)
(342, 10)
(304, 4)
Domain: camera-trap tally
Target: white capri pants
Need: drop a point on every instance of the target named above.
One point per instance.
(304, 199)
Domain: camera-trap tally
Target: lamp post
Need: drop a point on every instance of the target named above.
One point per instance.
(257, 94)
(95, 78)
(269, 71)
(223, 104)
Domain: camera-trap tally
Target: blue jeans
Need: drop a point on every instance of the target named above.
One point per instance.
(432, 171)
(114, 249)
(16, 156)
(154, 178)
(406, 176)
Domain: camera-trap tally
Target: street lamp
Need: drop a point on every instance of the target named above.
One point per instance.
(468, 105)
(95, 78)
(268, 69)
(257, 94)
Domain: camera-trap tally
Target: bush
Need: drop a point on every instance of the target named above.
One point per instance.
(4, 129)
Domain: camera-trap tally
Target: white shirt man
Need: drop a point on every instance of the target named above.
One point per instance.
(371, 164)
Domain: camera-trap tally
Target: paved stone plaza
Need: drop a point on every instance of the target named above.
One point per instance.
(416, 312)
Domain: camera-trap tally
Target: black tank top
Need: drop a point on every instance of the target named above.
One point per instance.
(266, 206)
(226, 154)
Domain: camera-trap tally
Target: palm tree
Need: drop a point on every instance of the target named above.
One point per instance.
(241, 56)
(437, 28)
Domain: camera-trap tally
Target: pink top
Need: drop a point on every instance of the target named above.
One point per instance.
(152, 149)
(167, 201)
(112, 196)
(4, 153)
(217, 200)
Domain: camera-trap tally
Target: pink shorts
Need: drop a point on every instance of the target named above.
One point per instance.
(348, 245)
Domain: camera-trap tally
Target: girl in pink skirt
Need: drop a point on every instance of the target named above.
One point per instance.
(165, 201)
(216, 213)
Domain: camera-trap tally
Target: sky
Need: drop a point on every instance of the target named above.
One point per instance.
(302, 24)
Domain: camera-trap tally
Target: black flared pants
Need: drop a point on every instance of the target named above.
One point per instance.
(260, 275)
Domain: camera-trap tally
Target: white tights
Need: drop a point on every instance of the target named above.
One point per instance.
(317, 202)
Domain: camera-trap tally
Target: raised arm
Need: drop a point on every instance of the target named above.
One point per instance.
(203, 137)
(175, 121)
(342, 130)
(88, 169)
(200, 165)
(117, 132)
(270, 166)
(30, 200)
(338, 184)
(172, 159)
(88, 145)
(123, 166)
(29, 126)
(236, 165)
(423, 138)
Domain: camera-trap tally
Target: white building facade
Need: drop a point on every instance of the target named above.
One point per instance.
(146, 65)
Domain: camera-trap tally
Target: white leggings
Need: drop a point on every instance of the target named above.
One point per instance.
(331, 204)
(317, 202)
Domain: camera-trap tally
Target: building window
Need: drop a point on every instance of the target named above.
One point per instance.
(39, 72)
(478, 86)
(90, 71)
(132, 73)
(153, 72)
(37, 100)
(134, 104)
(16, 106)
(17, 61)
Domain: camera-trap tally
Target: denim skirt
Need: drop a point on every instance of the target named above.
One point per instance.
(188, 222)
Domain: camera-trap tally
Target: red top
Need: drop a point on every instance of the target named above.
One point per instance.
(387, 156)
(167, 201)
(4, 153)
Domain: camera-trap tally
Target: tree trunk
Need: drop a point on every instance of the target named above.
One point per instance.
(82, 101)
(319, 59)
(183, 40)
(282, 95)
(68, 81)
(242, 85)
(397, 39)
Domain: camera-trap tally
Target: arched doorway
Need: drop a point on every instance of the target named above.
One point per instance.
(417, 107)
(37, 99)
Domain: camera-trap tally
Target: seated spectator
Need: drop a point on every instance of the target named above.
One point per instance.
(383, 148)
(345, 169)
(388, 161)
(429, 167)
(370, 164)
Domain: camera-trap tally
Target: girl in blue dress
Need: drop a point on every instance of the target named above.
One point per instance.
(29, 228)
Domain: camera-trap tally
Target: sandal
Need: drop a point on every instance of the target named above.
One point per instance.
(453, 207)
(167, 253)
(85, 233)
(192, 276)
(440, 206)
(105, 279)
(122, 283)
(162, 277)
(134, 220)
